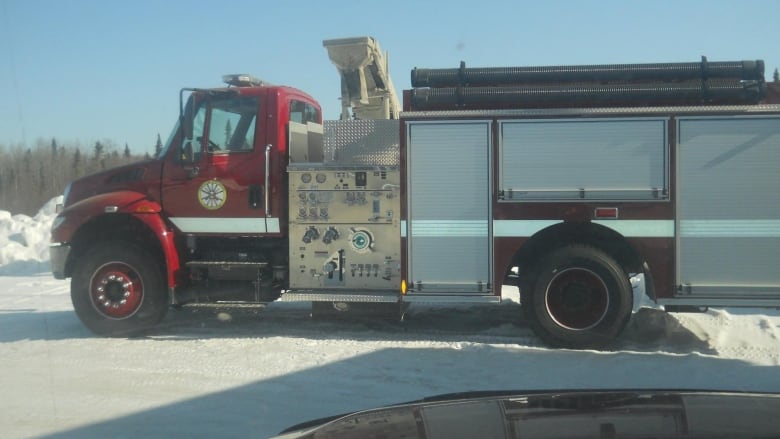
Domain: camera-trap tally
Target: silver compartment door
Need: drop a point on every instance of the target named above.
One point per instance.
(448, 210)
(729, 206)
(576, 159)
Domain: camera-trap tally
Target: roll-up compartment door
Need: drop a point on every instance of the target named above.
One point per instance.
(448, 210)
(729, 206)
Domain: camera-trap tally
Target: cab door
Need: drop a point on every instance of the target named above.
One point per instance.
(214, 181)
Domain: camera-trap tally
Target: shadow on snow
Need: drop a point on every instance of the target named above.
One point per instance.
(265, 407)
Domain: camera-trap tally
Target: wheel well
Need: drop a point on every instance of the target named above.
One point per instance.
(114, 227)
(563, 234)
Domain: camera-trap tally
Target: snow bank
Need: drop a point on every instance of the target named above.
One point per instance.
(24, 241)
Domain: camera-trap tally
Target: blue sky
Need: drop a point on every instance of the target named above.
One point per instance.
(83, 70)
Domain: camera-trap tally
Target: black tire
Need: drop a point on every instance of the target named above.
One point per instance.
(118, 290)
(579, 297)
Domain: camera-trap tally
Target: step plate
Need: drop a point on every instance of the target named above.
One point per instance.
(368, 297)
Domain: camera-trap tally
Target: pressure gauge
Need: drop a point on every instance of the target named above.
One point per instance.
(361, 241)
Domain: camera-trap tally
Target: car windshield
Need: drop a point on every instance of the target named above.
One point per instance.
(502, 196)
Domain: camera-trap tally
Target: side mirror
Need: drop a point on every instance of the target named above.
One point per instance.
(188, 159)
(185, 152)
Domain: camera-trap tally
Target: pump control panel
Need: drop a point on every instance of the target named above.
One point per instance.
(344, 227)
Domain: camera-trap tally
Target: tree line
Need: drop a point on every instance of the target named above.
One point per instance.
(31, 176)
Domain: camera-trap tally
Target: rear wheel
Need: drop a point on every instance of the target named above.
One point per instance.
(580, 298)
(118, 289)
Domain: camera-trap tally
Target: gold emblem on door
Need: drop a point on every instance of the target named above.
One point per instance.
(212, 194)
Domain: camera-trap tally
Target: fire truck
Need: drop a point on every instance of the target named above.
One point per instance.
(565, 181)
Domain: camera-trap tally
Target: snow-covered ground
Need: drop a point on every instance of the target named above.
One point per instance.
(242, 373)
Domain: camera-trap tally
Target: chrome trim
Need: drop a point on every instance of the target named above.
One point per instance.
(443, 298)
(390, 296)
(221, 225)
(738, 291)
(58, 258)
(272, 225)
(267, 178)
(733, 228)
(748, 302)
(628, 228)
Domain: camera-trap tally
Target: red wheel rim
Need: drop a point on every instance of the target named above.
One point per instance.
(116, 290)
(577, 299)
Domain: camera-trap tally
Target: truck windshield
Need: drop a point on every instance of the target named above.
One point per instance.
(167, 144)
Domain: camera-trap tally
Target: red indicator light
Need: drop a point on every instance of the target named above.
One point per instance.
(606, 213)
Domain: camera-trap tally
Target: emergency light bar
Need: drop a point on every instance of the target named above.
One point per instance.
(242, 80)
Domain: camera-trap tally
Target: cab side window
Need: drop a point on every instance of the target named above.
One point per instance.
(303, 112)
(232, 124)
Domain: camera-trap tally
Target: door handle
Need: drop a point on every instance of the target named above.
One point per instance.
(192, 172)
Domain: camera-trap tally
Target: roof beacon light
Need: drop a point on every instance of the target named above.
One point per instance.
(242, 80)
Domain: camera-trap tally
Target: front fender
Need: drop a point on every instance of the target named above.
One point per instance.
(73, 217)
(165, 237)
(132, 203)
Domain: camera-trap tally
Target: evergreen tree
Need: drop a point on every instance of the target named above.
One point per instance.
(28, 161)
(228, 132)
(776, 76)
(13, 181)
(77, 162)
(99, 148)
(158, 146)
(31, 176)
(41, 178)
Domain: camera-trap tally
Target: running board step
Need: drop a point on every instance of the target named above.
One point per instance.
(226, 305)
(341, 296)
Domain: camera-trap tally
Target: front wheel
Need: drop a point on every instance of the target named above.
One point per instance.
(118, 289)
(580, 298)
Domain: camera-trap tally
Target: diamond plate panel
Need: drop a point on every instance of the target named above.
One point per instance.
(362, 142)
